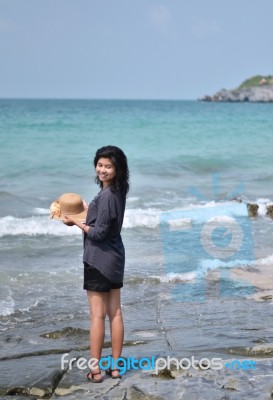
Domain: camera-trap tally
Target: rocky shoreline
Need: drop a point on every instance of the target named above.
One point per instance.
(49, 381)
(38, 374)
(255, 94)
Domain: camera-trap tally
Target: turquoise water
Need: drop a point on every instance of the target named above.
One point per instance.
(183, 155)
(47, 146)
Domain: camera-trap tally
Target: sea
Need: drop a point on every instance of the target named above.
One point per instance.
(194, 166)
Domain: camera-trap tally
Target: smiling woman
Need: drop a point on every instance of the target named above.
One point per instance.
(104, 254)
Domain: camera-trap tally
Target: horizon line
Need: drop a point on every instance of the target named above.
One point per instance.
(95, 99)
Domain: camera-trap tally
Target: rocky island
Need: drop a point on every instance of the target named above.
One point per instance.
(255, 89)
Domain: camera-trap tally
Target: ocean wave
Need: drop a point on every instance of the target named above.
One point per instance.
(265, 261)
(262, 203)
(41, 224)
(41, 211)
(174, 277)
(153, 217)
(33, 226)
(138, 217)
(206, 265)
(133, 199)
(7, 306)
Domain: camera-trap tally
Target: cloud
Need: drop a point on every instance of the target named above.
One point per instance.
(202, 27)
(162, 20)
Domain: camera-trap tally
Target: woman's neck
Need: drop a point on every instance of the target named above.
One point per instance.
(107, 184)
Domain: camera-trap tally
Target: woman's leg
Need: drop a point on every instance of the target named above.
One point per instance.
(97, 304)
(114, 313)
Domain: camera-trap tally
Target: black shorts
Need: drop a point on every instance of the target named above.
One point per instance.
(94, 280)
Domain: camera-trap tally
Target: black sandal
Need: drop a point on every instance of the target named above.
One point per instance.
(90, 377)
(109, 372)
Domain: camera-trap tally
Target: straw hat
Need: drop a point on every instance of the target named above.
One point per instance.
(70, 204)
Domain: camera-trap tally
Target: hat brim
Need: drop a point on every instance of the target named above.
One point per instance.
(80, 217)
(60, 217)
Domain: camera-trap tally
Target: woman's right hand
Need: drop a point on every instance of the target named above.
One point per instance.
(68, 221)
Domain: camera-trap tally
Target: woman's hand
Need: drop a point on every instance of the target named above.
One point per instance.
(68, 220)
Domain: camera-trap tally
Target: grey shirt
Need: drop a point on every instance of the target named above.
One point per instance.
(103, 246)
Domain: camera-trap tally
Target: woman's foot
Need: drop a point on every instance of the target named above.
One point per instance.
(95, 377)
(114, 373)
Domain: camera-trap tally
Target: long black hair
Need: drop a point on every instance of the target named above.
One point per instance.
(119, 159)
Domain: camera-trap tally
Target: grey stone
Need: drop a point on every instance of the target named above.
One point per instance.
(231, 384)
(262, 94)
(269, 210)
(18, 397)
(258, 350)
(252, 209)
(36, 376)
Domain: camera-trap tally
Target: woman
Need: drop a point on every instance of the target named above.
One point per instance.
(104, 255)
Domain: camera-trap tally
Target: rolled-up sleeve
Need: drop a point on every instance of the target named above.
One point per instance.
(105, 218)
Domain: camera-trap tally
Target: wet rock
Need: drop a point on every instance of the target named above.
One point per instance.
(75, 381)
(267, 297)
(260, 340)
(134, 393)
(164, 374)
(269, 210)
(252, 209)
(67, 331)
(259, 350)
(262, 349)
(18, 397)
(231, 384)
(35, 376)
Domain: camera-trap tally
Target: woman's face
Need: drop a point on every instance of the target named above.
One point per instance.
(106, 171)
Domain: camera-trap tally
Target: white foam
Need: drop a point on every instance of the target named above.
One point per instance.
(41, 211)
(27, 309)
(150, 217)
(41, 224)
(11, 226)
(138, 217)
(265, 261)
(132, 199)
(262, 203)
(175, 277)
(206, 265)
(7, 306)
(182, 223)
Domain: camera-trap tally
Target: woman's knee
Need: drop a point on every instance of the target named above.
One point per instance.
(114, 313)
(97, 315)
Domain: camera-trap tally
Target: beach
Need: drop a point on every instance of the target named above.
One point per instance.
(191, 288)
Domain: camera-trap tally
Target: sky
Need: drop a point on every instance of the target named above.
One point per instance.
(132, 49)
